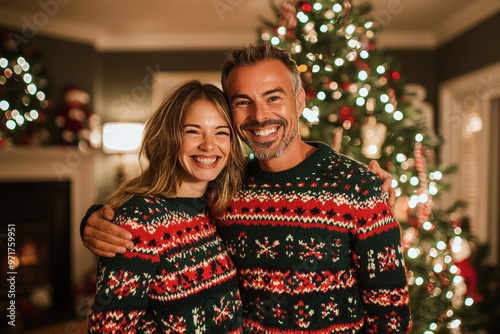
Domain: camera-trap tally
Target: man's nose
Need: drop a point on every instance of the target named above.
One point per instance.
(259, 112)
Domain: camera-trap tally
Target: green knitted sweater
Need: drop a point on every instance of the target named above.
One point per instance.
(317, 249)
(177, 279)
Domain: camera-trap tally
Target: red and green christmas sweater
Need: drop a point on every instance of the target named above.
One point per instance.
(317, 250)
(178, 278)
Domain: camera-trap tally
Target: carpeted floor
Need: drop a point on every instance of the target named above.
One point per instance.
(70, 327)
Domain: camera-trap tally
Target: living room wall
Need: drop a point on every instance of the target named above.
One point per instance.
(120, 82)
(114, 79)
(470, 51)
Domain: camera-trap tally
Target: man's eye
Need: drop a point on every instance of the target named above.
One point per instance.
(241, 103)
(274, 98)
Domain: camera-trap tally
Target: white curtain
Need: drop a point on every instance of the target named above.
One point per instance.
(494, 176)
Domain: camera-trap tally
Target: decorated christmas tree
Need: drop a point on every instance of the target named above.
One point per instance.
(24, 107)
(358, 102)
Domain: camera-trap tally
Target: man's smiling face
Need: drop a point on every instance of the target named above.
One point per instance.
(264, 109)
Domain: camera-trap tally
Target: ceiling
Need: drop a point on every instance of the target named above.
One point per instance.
(120, 25)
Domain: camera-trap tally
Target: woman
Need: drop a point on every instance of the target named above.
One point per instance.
(178, 278)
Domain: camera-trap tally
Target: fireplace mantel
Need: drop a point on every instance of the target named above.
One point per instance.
(55, 163)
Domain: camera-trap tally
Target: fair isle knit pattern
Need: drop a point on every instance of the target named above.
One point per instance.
(177, 279)
(317, 249)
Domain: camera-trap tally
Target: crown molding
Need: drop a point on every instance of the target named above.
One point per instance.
(388, 39)
(173, 41)
(470, 16)
(105, 41)
(29, 26)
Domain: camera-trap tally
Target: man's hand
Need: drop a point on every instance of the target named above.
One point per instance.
(386, 177)
(104, 238)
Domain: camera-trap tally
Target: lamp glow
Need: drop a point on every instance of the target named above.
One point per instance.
(121, 137)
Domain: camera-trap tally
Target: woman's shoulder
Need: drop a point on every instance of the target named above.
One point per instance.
(140, 201)
(151, 206)
(141, 207)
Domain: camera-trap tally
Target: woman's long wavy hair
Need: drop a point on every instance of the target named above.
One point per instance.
(161, 147)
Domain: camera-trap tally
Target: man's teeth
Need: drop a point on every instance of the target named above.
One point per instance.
(265, 133)
(205, 161)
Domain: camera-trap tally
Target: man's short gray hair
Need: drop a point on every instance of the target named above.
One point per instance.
(251, 55)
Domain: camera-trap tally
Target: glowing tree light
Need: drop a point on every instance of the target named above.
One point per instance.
(363, 109)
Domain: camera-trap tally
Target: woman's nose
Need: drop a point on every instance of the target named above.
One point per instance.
(207, 142)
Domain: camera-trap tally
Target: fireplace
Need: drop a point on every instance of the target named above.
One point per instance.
(44, 192)
(38, 215)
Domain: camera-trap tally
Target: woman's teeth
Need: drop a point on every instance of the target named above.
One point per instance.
(205, 161)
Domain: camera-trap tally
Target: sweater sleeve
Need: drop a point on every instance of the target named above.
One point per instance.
(90, 211)
(121, 301)
(380, 267)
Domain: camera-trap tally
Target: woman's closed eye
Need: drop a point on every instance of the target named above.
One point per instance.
(191, 131)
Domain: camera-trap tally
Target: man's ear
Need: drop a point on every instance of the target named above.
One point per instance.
(301, 101)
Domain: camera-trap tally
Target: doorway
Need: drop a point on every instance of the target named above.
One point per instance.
(470, 123)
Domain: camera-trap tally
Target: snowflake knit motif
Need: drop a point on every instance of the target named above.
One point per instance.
(321, 251)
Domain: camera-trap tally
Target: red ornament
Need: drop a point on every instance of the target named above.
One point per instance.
(362, 64)
(306, 7)
(42, 118)
(396, 75)
(346, 115)
(446, 282)
(468, 272)
(311, 93)
(345, 110)
(413, 222)
(430, 288)
(345, 85)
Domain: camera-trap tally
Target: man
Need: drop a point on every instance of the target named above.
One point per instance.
(310, 232)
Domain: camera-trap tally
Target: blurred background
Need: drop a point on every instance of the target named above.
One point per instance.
(78, 78)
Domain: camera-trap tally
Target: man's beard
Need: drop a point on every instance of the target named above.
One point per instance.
(262, 150)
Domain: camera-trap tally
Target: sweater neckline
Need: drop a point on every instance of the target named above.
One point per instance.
(305, 168)
(189, 204)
